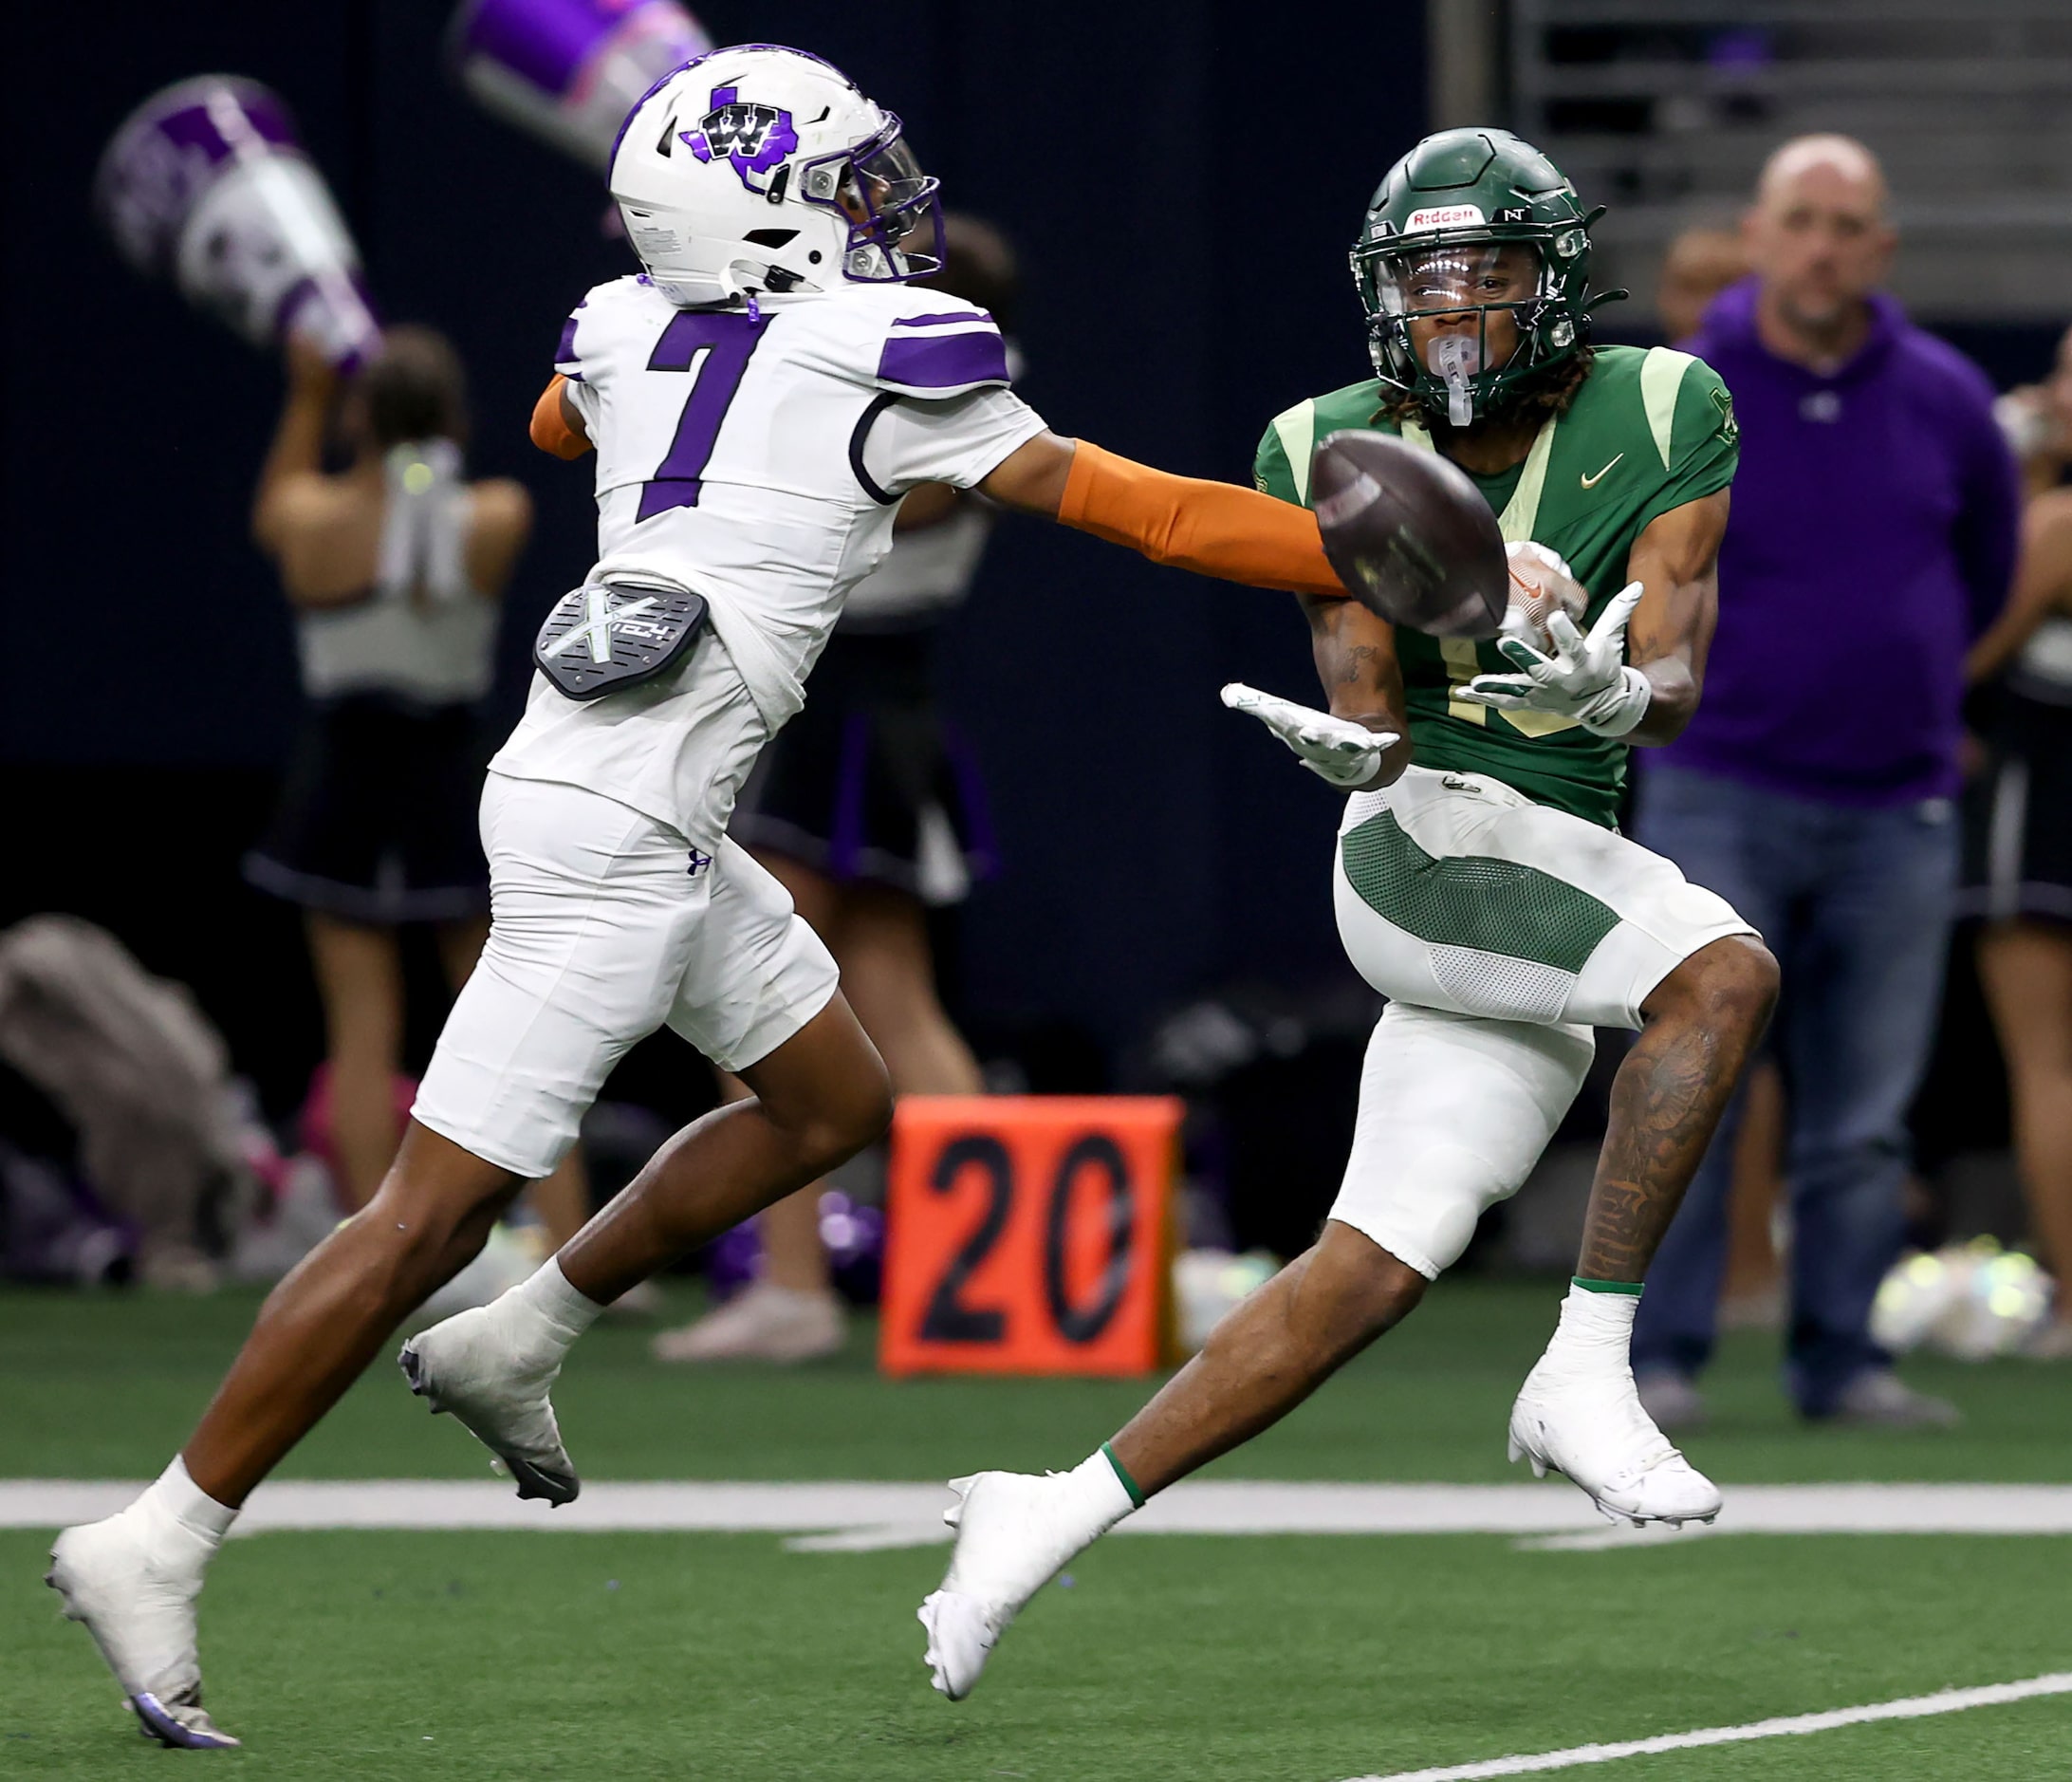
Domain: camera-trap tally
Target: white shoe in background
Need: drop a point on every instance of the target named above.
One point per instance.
(642, 1300)
(1671, 1400)
(763, 1322)
(1878, 1399)
(510, 1256)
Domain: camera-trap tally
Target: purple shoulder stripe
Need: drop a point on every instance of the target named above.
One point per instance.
(944, 362)
(948, 315)
(565, 353)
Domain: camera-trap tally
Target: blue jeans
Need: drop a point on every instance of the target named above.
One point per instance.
(1856, 904)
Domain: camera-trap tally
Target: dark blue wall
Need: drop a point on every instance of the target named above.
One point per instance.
(1182, 179)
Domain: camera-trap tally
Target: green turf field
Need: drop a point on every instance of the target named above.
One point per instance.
(105, 1387)
(481, 1655)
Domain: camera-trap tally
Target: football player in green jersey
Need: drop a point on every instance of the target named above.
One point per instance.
(1481, 882)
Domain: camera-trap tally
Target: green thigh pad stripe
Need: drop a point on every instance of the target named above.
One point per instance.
(1471, 900)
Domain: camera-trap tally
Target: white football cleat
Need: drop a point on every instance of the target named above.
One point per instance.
(1592, 1430)
(1015, 1532)
(961, 1636)
(469, 1367)
(139, 1604)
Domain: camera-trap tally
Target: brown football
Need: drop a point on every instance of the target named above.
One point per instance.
(1409, 535)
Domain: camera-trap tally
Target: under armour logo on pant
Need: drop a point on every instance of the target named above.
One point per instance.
(699, 861)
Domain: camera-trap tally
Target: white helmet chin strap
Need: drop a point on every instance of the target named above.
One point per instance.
(738, 279)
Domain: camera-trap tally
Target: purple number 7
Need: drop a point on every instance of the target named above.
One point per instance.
(714, 349)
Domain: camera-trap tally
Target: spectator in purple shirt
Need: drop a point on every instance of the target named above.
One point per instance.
(1872, 541)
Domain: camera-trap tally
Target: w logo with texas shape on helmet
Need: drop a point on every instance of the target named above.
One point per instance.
(754, 138)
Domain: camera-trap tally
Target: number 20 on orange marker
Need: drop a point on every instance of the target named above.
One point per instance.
(1027, 1234)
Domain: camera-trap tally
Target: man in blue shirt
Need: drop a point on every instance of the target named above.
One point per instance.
(1872, 539)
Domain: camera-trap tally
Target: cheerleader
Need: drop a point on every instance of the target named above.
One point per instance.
(394, 567)
(2018, 833)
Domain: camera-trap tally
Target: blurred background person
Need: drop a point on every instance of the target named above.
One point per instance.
(2018, 839)
(2034, 418)
(1700, 264)
(395, 566)
(1872, 541)
(867, 807)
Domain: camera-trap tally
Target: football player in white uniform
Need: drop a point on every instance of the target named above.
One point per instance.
(759, 400)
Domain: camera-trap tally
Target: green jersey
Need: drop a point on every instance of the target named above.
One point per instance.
(1649, 431)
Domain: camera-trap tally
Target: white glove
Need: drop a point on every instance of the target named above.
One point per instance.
(1586, 679)
(1334, 749)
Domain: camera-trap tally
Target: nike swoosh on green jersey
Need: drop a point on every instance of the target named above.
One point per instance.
(1591, 482)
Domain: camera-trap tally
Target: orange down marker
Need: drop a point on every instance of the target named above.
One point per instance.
(1028, 1234)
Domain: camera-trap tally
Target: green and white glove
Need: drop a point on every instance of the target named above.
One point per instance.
(1586, 679)
(1334, 749)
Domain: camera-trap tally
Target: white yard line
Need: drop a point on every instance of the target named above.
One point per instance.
(855, 1515)
(1912, 1708)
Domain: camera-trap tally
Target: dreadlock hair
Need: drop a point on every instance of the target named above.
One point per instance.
(414, 389)
(1549, 390)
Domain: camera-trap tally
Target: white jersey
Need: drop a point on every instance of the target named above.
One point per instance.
(755, 457)
(929, 572)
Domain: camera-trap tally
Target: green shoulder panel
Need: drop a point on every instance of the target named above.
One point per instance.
(1705, 440)
(1273, 465)
(1281, 467)
(1680, 406)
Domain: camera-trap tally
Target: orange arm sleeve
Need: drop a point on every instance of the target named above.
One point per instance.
(551, 428)
(1212, 529)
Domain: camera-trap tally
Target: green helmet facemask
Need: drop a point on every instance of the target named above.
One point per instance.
(1473, 223)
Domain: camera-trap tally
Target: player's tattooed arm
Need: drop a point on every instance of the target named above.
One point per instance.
(1354, 653)
(1677, 560)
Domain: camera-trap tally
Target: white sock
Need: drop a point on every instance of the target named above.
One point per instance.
(174, 1501)
(1098, 1494)
(1595, 1336)
(545, 1314)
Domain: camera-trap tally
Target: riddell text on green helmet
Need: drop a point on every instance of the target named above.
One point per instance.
(1473, 265)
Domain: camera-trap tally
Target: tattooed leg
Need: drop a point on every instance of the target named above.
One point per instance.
(1703, 1022)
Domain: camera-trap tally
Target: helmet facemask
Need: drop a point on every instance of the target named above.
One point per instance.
(1502, 298)
(891, 205)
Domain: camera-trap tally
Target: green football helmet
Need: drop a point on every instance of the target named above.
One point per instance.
(1468, 224)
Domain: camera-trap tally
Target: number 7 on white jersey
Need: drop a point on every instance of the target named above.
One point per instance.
(715, 347)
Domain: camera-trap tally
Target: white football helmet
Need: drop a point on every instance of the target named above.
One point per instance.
(757, 168)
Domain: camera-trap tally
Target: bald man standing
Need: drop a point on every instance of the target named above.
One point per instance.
(1872, 539)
